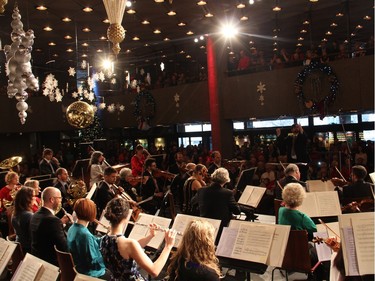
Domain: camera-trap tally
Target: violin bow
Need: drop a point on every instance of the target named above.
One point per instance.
(330, 229)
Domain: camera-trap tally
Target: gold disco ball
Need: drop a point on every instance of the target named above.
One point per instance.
(80, 114)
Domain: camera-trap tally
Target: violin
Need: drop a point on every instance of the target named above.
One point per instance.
(134, 205)
(157, 173)
(365, 205)
(331, 242)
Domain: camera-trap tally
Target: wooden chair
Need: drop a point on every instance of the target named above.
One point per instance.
(276, 205)
(172, 209)
(297, 257)
(66, 264)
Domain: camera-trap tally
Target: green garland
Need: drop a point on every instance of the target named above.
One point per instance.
(311, 104)
(141, 113)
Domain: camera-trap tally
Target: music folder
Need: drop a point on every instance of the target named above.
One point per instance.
(319, 185)
(251, 196)
(104, 225)
(82, 277)
(6, 251)
(321, 204)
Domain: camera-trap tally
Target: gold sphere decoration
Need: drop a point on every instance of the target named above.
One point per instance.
(80, 114)
(116, 34)
(2, 5)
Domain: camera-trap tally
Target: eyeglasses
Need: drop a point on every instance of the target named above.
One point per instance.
(58, 197)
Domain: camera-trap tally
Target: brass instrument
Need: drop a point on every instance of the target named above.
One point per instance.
(11, 162)
(76, 189)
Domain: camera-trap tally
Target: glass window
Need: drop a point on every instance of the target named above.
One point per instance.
(159, 142)
(143, 142)
(271, 123)
(304, 121)
(326, 120)
(193, 128)
(368, 135)
(238, 125)
(206, 127)
(368, 117)
(183, 141)
(195, 140)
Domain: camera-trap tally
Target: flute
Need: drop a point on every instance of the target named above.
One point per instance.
(108, 228)
(159, 228)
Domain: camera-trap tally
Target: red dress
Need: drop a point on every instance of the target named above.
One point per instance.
(5, 195)
(137, 165)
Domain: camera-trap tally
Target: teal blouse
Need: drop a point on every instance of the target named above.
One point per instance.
(84, 248)
(297, 220)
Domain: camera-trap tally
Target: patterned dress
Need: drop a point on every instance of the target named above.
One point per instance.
(122, 269)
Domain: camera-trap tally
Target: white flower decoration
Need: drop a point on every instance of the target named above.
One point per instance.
(71, 71)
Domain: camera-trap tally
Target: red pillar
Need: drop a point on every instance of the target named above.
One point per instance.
(213, 94)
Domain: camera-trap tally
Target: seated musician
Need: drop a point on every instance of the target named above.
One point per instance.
(192, 184)
(129, 183)
(138, 160)
(11, 180)
(34, 184)
(62, 184)
(178, 168)
(188, 264)
(122, 255)
(358, 188)
(292, 175)
(150, 188)
(49, 164)
(107, 189)
(96, 167)
(84, 246)
(216, 163)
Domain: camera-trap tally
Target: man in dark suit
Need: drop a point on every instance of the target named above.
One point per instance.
(106, 190)
(47, 229)
(216, 162)
(49, 164)
(292, 175)
(62, 184)
(215, 201)
(359, 188)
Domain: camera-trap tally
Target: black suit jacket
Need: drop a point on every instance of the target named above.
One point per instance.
(45, 167)
(359, 189)
(284, 182)
(104, 194)
(300, 147)
(47, 231)
(217, 202)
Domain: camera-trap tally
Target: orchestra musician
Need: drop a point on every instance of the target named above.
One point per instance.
(22, 214)
(62, 184)
(150, 187)
(34, 184)
(11, 180)
(216, 163)
(129, 183)
(138, 160)
(96, 167)
(122, 255)
(49, 164)
(292, 175)
(178, 168)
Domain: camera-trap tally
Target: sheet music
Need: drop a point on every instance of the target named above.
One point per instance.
(181, 221)
(82, 277)
(92, 191)
(323, 251)
(328, 203)
(35, 269)
(372, 177)
(225, 247)
(363, 230)
(319, 185)
(253, 242)
(6, 251)
(309, 205)
(351, 265)
(252, 195)
(101, 227)
(278, 245)
(141, 231)
(332, 225)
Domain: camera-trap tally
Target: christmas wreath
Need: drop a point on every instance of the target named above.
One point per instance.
(322, 104)
(144, 109)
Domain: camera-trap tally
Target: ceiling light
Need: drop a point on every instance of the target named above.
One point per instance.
(328, 33)
(196, 40)
(299, 45)
(276, 9)
(106, 21)
(66, 19)
(84, 55)
(131, 12)
(367, 18)
(314, 1)
(47, 28)
(303, 31)
(171, 13)
(190, 32)
(244, 18)
(157, 31)
(86, 29)
(55, 55)
(128, 4)
(228, 30)
(38, 50)
(274, 37)
(70, 50)
(346, 41)
(251, 42)
(146, 45)
(352, 34)
(188, 56)
(324, 40)
(128, 51)
(306, 22)
(135, 38)
(166, 39)
(87, 9)
(202, 47)
(51, 44)
(274, 49)
(333, 24)
(99, 51)
(208, 15)
(41, 8)
(201, 3)
(251, 2)
(68, 37)
(181, 24)
(182, 52)
(159, 1)
(85, 44)
(301, 39)
(359, 26)
(103, 38)
(145, 22)
(201, 37)
(275, 44)
(339, 15)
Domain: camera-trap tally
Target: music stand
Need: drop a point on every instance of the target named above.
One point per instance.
(80, 168)
(246, 178)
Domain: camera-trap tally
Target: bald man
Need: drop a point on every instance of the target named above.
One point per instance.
(47, 229)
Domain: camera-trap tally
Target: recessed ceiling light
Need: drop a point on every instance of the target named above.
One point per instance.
(41, 8)
(202, 47)
(135, 38)
(208, 15)
(274, 37)
(274, 49)
(68, 37)
(106, 21)
(84, 55)
(85, 44)
(55, 55)
(38, 50)
(70, 50)
(87, 9)
(188, 56)
(146, 45)
(103, 38)
(159, 1)
(171, 13)
(346, 41)
(306, 22)
(181, 24)
(274, 43)
(99, 51)
(276, 9)
(352, 34)
(328, 33)
(147, 60)
(301, 39)
(166, 39)
(66, 19)
(244, 18)
(51, 44)
(201, 3)
(190, 32)
(367, 18)
(145, 22)
(47, 28)
(196, 40)
(131, 12)
(241, 6)
(339, 15)
(333, 24)
(128, 51)
(314, 1)
(251, 42)
(182, 52)
(324, 40)
(299, 45)
(303, 31)
(86, 29)
(157, 31)
(359, 26)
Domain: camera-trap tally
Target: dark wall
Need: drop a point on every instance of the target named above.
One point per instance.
(240, 100)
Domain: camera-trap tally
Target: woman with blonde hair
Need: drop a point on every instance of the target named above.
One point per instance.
(195, 257)
(192, 184)
(35, 185)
